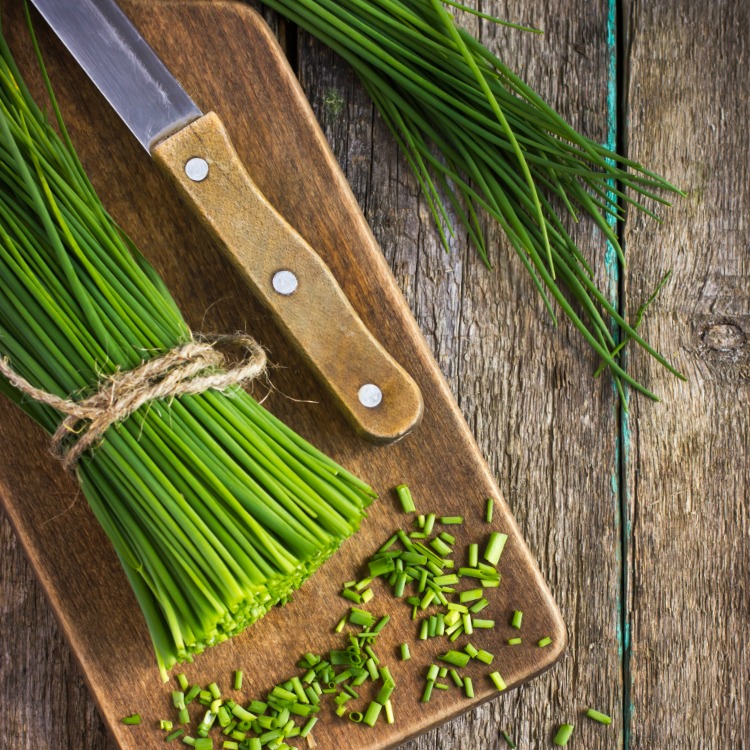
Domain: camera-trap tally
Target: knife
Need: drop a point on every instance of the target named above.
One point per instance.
(285, 274)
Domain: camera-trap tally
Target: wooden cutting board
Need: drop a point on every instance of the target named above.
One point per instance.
(227, 59)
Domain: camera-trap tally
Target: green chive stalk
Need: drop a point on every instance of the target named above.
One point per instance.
(215, 508)
(475, 134)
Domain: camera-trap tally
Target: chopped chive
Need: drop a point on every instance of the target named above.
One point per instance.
(429, 523)
(598, 716)
(544, 642)
(468, 627)
(432, 627)
(447, 538)
(433, 672)
(451, 520)
(388, 544)
(442, 686)
(363, 584)
(188, 740)
(166, 725)
(427, 694)
(213, 688)
(420, 520)
(453, 607)
(341, 624)
(471, 650)
(517, 619)
(367, 595)
(230, 745)
(473, 555)
(132, 720)
(483, 624)
(308, 726)
(238, 679)
(495, 547)
(372, 713)
(509, 740)
(361, 617)
(183, 682)
(497, 680)
(490, 583)
(563, 735)
(514, 641)
(489, 509)
(479, 606)
(204, 743)
(456, 678)
(469, 687)
(458, 633)
(484, 656)
(407, 501)
(470, 595)
(456, 658)
(440, 546)
(446, 580)
(389, 718)
(172, 737)
(352, 596)
(192, 694)
(178, 699)
(452, 618)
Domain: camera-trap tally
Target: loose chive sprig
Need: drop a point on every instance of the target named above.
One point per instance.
(480, 140)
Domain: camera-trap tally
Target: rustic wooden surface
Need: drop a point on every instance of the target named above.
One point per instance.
(271, 124)
(639, 523)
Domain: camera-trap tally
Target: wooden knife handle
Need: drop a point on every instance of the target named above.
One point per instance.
(316, 316)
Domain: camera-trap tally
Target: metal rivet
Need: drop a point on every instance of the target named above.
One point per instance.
(370, 395)
(196, 169)
(284, 282)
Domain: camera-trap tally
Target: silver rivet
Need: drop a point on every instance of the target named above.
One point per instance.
(370, 395)
(196, 169)
(284, 282)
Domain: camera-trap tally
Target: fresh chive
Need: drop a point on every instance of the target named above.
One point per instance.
(456, 678)
(468, 687)
(473, 555)
(434, 670)
(497, 680)
(509, 740)
(563, 735)
(132, 720)
(483, 624)
(495, 547)
(489, 509)
(172, 737)
(544, 642)
(166, 725)
(183, 682)
(404, 495)
(598, 716)
(514, 641)
(456, 658)
(427, 694)
(479, 606)
(372, 713)
(517, 619)
(389, 717)
(484, 656)
(451, 520)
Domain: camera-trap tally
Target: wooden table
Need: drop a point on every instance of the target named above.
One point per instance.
(639, 520)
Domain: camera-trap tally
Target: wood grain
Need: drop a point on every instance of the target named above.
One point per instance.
(689, 489)
(271, 125)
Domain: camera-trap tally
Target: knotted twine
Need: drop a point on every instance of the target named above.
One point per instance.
(185, 370)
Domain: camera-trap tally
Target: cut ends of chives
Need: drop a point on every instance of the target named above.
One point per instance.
(598, 716)
(563, 735)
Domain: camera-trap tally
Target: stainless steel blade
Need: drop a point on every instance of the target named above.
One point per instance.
(122, 65)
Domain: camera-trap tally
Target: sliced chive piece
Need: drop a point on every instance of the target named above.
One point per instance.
(404, 496)
(183, 682)
(495, 547)
(172, 737)
(517, 619)
(427, 694)
(468, 687)
(132, 720)
(483, 624)
(389, 717)
(514, 641)
(433, 672)
(479, 606)
(508, 740)
(563, 735)
(451, 520)
(455, 658)
(405, 653)
(497, 680)
(489, 509)
(456, 678)
(484, 656)
(166, 725)
(598, 716)
(372, 713)
(473, 555)
(544, 642)
(471, 650)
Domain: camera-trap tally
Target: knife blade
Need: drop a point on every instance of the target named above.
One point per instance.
(194, 150)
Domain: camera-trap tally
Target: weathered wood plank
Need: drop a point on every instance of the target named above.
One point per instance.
(690, 471)
(547, 430)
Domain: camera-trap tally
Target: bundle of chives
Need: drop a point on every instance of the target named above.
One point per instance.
(473, 131)
(216, 509)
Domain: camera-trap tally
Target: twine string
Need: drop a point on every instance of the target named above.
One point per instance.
(188, 369)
